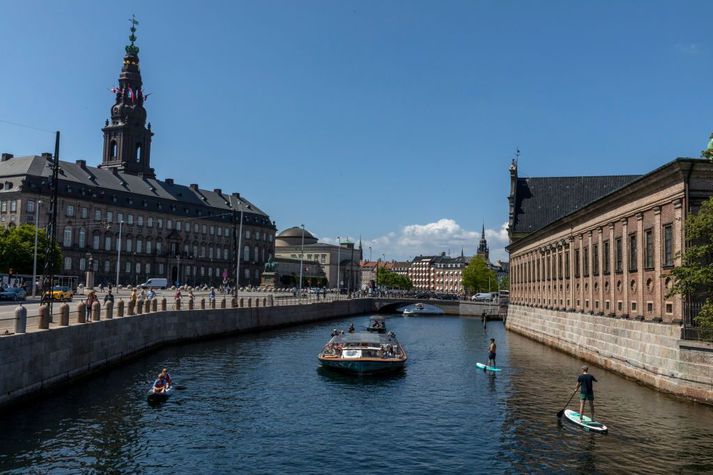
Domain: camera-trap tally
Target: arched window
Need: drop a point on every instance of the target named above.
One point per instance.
(67, 241)
(82, 263)
(67, 263)
(96, 239)
(107, 266)
(107, 242)
(246, 254)
(148, 246)
(128, 244)
(257, 254)
(159, 245)
(139, 245)
(139, 153)
(82, 237)
(112, 149)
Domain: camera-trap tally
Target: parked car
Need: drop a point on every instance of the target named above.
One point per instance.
(13, 293)
(59, 293)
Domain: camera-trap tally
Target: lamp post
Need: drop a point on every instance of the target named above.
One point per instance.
(118, 256)
(369, 253)
(34, 261)
(339, 258)
(302, 252)
(178, 270)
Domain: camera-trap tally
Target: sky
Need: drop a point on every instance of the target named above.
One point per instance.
(393, 121)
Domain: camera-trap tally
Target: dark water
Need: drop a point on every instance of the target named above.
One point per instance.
(259, 404)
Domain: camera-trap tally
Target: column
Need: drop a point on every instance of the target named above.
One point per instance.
(612, 272)
(640, 253)
(571, 273)
(677, 248)
(600, 266)
(658, 281)
(625, 264)
(580, 268)
(590, 274)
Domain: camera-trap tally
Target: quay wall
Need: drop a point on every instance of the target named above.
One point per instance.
(649, 352)
(33, 362)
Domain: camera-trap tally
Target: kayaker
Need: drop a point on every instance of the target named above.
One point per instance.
(585, 383)
(492, 348)
(351, 328)
(165, 376)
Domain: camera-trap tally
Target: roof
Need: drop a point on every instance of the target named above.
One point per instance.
(113, 180)
(364, 337)
(540, 201)
(296, 231)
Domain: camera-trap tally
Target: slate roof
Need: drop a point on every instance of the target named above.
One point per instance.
(541, 201)
(108, 180)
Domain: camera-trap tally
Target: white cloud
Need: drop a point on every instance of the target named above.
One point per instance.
(443, 235)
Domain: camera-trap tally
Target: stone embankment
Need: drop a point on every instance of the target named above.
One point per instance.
(649, 352)
(86, 342)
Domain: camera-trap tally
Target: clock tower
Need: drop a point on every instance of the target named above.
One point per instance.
(127, 138)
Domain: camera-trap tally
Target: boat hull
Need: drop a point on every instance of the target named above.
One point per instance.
(363, 366)
(159, 397)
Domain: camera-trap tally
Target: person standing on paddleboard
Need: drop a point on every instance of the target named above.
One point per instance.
(491, 352)
(585, 383)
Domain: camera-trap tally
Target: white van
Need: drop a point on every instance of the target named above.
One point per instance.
(155, 282)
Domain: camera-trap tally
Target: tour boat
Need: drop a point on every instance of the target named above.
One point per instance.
(364, 353)
(421, 309)
(377, 324)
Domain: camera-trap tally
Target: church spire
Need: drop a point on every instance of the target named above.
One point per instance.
(127, 139)
(483, 250)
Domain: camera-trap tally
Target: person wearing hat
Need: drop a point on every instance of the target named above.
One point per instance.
(585, 383)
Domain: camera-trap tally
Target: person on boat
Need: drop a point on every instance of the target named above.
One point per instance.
(492, 348)
(335, 332)
(351, 328)
(585, 383)
(163, 382)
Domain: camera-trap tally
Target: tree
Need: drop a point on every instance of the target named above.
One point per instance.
(392, 280)
(17, 248)
(478, 277)
(504, 282)
(694, 278)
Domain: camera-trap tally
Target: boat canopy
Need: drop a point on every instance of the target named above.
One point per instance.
(362, 337)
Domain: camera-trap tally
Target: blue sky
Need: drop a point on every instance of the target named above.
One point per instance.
(393, 120)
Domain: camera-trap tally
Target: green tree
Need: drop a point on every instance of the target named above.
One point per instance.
(694, 278)
(17, 248)
(478, 277)
(392, 280)
(504, 283)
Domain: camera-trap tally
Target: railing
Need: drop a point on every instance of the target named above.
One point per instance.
(691, 308)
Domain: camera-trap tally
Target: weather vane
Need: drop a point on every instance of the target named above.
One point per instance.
(132, 48)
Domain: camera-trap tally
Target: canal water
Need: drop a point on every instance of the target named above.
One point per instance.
(259, 404)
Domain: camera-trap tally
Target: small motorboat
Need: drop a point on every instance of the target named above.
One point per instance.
(422, 309)
(377, 324)
(159, 396)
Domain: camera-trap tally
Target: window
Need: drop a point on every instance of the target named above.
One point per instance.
(70, 210)
(107, 266)
(220, 231)
(148, 246)
(210, 253)
(120, 217)
(668, 245)
(178, 225)
(82, 263)
(649, 244)
(585, 261)
(84, 212)
(128, 245)
(109, 216)
(195, 227)
(67, 241)
(559, 265)
(246, 253)
(247, 273)
(82, 237)
(247, 234)
(169, 224)
(595, 259)
(617, 255)
(212, 230)
(576, 263)
(97, 215)
(130, 219)
(147, 266)
(30, 207)
(227, 232)
(127, 266)
(107, 242)
(158, 248)
(139, 245)
(632, 253)
(195, 250)
(160, 266)
(67, 263)
(149, 222)
(159, 223)
(205, 229)
(139, 220)
(225, 253)
(257, 256)
(606, 257)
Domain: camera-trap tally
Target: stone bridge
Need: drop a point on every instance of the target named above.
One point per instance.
(450, 307)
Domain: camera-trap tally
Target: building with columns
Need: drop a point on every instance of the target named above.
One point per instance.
(604, 245)
(124, 220)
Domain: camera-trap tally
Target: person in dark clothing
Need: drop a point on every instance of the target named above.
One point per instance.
(585, 383)
(109, 297)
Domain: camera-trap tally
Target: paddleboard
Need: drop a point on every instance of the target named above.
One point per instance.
(587, 424)
(489, 368)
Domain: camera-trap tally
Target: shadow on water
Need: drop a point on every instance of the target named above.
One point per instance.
(340, 377)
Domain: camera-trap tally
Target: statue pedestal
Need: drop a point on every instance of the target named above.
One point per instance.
(270, 279)
(89, 282)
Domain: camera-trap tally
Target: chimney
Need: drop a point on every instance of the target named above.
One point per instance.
(82, 164)
(193, 186)
(218, 191)
(6, 157)
(236, 194)
(47, 156)
(169, 181)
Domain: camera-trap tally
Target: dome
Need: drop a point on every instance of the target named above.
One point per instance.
(293, 237)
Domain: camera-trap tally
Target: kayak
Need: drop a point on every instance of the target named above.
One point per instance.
(159, 397)
(484, 366)
(587, 424)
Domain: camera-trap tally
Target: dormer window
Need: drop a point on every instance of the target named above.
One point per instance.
(112, 149)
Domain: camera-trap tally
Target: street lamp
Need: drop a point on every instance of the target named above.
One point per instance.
(302, 251)
(339, 258)
(369, 253)
(34, 261)
(118, 256)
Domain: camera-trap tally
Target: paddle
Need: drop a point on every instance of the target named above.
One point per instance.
(561, 413)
